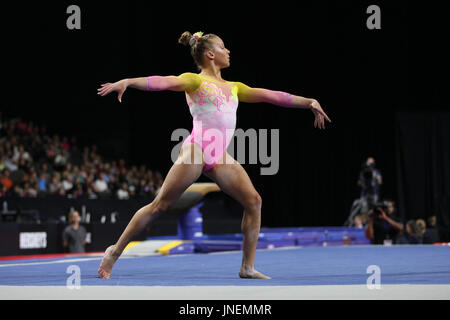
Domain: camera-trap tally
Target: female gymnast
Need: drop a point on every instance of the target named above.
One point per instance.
(213, 102)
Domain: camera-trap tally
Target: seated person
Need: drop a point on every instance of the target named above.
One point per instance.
(409, 234)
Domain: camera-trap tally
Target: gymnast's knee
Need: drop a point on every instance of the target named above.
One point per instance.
(254, 203)
(156, 207)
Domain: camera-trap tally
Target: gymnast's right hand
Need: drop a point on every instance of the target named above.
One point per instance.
(119, 87)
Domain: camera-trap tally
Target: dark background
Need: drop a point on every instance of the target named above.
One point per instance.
(383, 89)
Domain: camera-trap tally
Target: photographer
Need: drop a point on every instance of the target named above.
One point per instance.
(370, 180)
(384, 225)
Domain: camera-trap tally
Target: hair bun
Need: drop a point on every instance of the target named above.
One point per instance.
(185, 38)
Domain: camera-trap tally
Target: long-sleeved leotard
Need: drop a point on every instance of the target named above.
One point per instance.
(213, 106)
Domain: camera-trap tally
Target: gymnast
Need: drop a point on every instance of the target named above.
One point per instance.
(213, 102)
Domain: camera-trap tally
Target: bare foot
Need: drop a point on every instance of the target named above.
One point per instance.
(109, 258)
(247, 273)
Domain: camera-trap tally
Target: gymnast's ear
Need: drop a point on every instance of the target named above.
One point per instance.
(209, 54)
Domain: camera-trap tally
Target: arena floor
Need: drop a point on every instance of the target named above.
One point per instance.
(344, 272)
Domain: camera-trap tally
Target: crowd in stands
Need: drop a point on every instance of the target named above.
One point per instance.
(34, 163)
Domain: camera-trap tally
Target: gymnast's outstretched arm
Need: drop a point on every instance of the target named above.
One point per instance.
(283, 99)
(185, 82)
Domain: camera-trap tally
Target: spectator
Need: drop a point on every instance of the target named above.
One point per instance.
(76, 175)
(2, 161)
(74, 235)
(3, 191)
(61, 159)
(90, 181)
(18, 191)
(431, 234)
(19, 152)
(143, 189)
(82, 175)
(61, 192)
(384, 226)
(55, 184)
(158, 180)
(6, 180)
(410, 234)
(358, 222)
(122, 193)
(132, 191)
(90, 194)
(9, 163)
(105, 177)
(421, 228)
(30, 190)
(42, 182)
(100, 185)
(65, 144)
(23, 164)
(78, 191)
(67, 182)
(44, 171)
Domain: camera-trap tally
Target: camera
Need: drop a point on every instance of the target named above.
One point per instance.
(377, 208)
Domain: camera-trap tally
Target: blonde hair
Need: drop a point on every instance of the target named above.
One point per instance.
(199, 44)
(421, 227)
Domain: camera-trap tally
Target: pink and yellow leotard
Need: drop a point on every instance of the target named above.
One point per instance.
(213, 106)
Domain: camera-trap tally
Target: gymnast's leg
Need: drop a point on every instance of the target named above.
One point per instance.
(183, 173)
(232, 179)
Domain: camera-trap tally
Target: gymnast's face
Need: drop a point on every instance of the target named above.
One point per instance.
(220, 54)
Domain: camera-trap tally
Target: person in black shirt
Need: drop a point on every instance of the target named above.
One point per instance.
(431, 234)
(384, 225)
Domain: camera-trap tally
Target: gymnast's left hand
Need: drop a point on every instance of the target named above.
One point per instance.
(119, 87)
(319, 114)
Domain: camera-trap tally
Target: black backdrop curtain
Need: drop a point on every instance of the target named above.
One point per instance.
(319, 49)
(423, 163)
